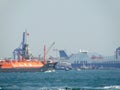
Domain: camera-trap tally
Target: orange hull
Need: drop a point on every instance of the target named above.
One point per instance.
(9, 64)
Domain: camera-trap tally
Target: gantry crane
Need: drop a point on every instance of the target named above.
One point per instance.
(22, 50)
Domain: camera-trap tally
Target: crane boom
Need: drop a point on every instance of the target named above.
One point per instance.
(50, 47)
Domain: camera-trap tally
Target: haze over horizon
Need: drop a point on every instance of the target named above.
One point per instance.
(92, 25)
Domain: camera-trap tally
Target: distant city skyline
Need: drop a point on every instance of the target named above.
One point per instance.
(92, 25)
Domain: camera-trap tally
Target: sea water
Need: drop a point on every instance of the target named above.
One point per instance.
(61, 80)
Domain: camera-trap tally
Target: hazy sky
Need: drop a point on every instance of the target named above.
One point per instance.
(92, 25)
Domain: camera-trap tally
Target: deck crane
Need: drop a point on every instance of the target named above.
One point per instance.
(50, 47)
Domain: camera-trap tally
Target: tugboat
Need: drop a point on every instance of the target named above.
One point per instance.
(23, 61)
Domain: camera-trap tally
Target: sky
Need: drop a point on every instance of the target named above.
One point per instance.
(92, 25)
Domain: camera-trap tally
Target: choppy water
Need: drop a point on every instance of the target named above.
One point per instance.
(61, 80)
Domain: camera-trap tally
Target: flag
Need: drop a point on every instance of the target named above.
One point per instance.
(27, 34)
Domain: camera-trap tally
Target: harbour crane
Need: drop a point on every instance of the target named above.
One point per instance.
(22, 50)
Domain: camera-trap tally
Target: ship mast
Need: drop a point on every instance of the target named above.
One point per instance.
(44, 54)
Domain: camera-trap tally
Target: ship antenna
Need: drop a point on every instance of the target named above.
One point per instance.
(44, 54)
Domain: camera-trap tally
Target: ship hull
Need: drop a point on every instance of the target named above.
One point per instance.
(103, 65)
(21, 70)
(48, 66)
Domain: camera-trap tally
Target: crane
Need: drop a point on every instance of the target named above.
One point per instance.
(22, 50)
(50, 47)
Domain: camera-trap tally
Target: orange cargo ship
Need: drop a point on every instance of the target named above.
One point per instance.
(23, 60)
(12, 65)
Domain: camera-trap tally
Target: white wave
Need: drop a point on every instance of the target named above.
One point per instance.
(51, 88)
(27, 87)
(15, 87)
(112, 87)
(41, 88)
